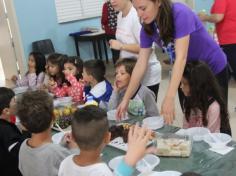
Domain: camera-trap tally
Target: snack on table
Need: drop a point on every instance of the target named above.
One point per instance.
(173, 145)
(121, 130)
(63, 115)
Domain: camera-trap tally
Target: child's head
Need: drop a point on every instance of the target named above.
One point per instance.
(55, 64)
(94, 70)
(37, 61)
(199, 85)
(124, 68)
(90, 128)
(35, 111)
(74, 66)
(7, 102)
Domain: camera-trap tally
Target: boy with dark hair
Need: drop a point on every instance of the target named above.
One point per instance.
(90, 131)
(10, 136)
(98, 88)
(38, 155)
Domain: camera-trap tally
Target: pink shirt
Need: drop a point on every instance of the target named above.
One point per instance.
(75, 90)
(213, 117)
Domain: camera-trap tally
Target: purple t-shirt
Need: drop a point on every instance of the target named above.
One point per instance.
(201, 45)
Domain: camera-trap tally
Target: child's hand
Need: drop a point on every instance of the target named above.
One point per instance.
(137, 142)
(115, 44)
(14, 78)
(68, 140)
(115, 87)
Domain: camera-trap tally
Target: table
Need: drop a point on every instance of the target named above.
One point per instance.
(201, 160)
(95, 37)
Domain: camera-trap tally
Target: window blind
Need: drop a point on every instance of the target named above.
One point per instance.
(70, 10)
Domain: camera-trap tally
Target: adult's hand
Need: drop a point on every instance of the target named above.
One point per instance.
(168, 110)
(122, 109)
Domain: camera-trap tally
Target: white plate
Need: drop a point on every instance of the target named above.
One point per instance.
(111, 115)
(153, 123)
(119, 144)
(164, 173)
(113, 163)
(57, 138)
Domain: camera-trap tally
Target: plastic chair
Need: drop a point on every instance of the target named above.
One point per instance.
(44, 46)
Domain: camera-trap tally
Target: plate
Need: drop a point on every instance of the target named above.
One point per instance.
(59, 130)
(217, 140)
(119, 144)
(164, 173)
(113, 163)
(62, 101)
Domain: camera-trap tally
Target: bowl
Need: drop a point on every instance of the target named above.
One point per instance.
(148, 163)
(164, 173)
(113, 163)
(197, 133)
(153, 123)
(217, 140)
(19, 90)
(111, 115)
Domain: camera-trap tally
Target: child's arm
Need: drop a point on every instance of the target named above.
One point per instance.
(23, 81)
(114, 100)
(137, 137)
(213, 116)
(58, 91)
(77, 88)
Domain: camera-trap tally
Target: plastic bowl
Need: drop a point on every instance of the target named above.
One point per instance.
(148, 163)
(153, 123)
(19, 90)
(197, 133)
(217, 140)
(111, 115)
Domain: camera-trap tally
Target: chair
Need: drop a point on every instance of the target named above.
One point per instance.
(44, 46)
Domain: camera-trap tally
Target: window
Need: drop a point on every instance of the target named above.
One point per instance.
(70, 10)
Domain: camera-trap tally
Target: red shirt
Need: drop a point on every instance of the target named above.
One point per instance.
(226, 29)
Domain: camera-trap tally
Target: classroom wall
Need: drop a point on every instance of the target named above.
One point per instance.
(37, 20)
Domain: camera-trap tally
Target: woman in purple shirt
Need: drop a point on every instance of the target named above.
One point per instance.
(179, 31)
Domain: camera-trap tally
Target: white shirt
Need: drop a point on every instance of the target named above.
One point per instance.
(128, 32)
(69, 168)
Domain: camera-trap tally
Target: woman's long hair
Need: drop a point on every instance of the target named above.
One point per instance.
(203, 87)
(164, 22)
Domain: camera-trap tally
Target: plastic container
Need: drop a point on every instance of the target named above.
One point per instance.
(111, 115)
(148, 163)
(153, 123)
(113, 163)
(170, 144)
(198, 133)
(217, 140)
(63, 101)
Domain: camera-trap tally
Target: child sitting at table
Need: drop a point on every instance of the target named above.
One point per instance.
(73, 86)
(10, 136)
(35, 75)
(203, 105)
(38, 155)
(96, 86)
(143, 102)
(90, 131)
(55, 66)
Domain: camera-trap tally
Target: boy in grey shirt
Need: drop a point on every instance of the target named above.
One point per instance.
(38, 155)
(142, 103)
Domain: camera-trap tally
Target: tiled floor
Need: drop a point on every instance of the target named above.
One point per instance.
(179, 115)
